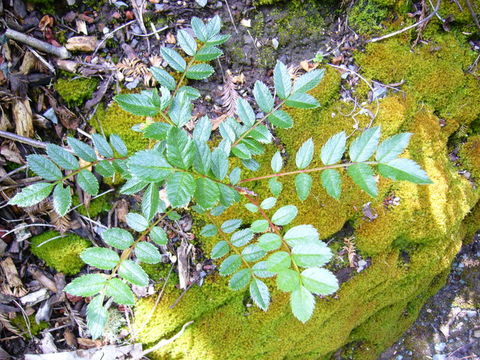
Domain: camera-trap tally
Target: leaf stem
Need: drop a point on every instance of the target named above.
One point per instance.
(126, 253)
(258, 123)
(274, 228)
(225, 237)
(336, 166)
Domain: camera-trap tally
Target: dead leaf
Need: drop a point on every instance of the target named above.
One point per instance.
(82, 43)
(46, 21)
(81, 26)
(170, 39)
(246, 23)
(11, 153)
(22, 115)
(29, 63)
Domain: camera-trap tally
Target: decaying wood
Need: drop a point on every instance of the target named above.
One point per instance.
(13, 285)
(23, 118)
(60, 52)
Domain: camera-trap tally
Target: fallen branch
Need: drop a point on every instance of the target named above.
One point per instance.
(23, 139)
(60, 52)
(432, 14)
(164, 342)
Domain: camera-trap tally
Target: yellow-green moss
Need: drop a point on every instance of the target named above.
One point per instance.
(366, 16)
(114, 120)
(75, 92)
(61, 252)
(28, 329)
(470, 155)
(96, 206)
(471, 224)
(434, 73)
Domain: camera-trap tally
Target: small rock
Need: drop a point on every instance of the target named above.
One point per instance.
(440, 347)
(82, 43)
(471, 313)
(439, 357)
(476, 333)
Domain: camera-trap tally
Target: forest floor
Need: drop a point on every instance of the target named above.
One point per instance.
(115, 47)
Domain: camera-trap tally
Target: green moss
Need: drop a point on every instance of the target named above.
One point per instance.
(61, 252)
(433, 73)
(366, 16)
(30, 328)
(470, 155)
(76, 92)
(114, 120)
(96, 206)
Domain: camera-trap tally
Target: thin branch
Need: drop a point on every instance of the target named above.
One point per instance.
(110, 34)
(22, 139)
(60, 52)
(432, 14)
(164, 342)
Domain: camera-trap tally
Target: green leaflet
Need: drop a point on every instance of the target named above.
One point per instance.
(44, 167)
(147, 253)
(186, 42)
(263, 97)
(150, 201)
(278, 261)
(308, 81)
(180, 149)
(149, 165)
(268, 203)
(120, 292)
(86, 285)
(240, 279)
(164, 78)
(82, 150)
(333, 149)
(230, 226)
(364, 146)
(88, 182)
(97, 316)
(311, 254)
(137, 104)
(282, 80)
(276, 162)
(404, 169)
(101, 258)
(285, 215)
(304, 155)
(102, 145)
(332, 182)
(173, 59)
(260, 294)
(301, 234)
(230, 265)
(62, 157)
(319, 281)
(288, 280)
(133, 273)
(303, 185)
(302, 304)
(62, 199)
(199, 72)
(117, 238)
(180, 189)
(281, 119)
(392, 147)
(207, 193)
(364, 177)
(136, 222)
(159, 236)
(220, 250)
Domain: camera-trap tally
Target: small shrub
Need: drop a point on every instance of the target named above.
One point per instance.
(197, 174)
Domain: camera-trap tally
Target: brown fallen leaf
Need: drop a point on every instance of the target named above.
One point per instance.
(82, 43)
(23, 118)
(13, 285)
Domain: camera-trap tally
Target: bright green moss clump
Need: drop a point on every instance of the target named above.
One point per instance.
(60, 252)
(31, 328)
(75, 92)
(114, 120)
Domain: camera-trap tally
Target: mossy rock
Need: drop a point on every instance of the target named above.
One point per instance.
(75, 92)
(410, 246)
(470, 155)
(374, 307)
(61, 252)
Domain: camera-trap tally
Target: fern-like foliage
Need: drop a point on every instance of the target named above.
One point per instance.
(193, 174)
